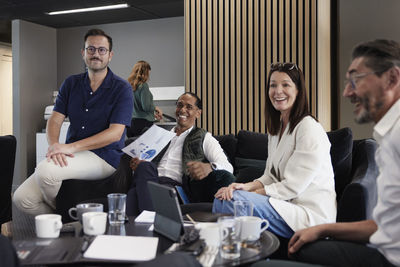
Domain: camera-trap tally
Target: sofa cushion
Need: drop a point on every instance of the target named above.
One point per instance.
(228, 143)
(252, 145)
(341, 156)
(248, 169)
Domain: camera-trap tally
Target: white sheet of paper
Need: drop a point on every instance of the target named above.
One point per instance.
(124, 248)
(149, 144)
(146, 217)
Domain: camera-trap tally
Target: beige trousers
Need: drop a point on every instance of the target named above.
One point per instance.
(38, 193)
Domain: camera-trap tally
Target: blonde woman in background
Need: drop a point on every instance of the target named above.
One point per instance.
(144, 112)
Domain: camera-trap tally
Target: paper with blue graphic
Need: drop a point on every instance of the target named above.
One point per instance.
(149, 144)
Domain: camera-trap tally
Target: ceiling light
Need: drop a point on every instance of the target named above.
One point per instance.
(88, 9)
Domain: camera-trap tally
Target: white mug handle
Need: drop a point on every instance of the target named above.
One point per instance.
(265, 226)
(70, 211)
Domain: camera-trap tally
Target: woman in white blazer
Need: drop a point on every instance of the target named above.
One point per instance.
(297, 188)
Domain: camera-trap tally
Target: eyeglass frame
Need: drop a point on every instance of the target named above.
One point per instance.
(96, 49)
(281, 65)
(189, 107)
(353, 79)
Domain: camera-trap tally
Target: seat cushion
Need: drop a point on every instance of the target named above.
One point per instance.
(247, 170)
(228, 143)
(341, 156)
(252, 145)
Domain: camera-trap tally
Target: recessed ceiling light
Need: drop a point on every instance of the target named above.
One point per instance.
(89, 9)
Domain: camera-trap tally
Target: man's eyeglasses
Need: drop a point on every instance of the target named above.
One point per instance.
(92, 50)
(188, 106)
(355, 77)
(284, 65)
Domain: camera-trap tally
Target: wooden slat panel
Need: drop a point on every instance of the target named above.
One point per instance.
(229, 46)
(263, 62)
(245, 87)
(232, 55)
(239, 87)
(192, 46)
(203, 65)
(313, 57)
(209, 66)
(226, 94)
(256, 101)
(215, 68)
(187, 44)
(250, 51)
(219, 114)
(287, 31)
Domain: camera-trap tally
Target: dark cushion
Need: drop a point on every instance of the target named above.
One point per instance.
(8, 145)
(248, 169)
(341, 156)
(228, 143)
(252, 145)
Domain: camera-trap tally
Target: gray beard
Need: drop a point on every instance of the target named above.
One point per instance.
(365, 115)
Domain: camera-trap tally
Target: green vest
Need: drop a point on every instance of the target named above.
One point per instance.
(192, 149)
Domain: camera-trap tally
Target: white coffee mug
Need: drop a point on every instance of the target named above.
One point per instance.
(210, 233)
(94, 222)
(252, 227)
(48, 225)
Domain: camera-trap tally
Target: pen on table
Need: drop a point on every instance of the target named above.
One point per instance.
(191, 219)
(85, 245)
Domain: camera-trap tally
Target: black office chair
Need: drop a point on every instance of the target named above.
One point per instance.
(8, 145)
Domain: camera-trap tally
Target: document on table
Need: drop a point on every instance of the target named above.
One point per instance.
(149, 144)
(146, 217)
(124, 248)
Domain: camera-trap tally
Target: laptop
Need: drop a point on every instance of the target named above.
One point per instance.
(168, 220)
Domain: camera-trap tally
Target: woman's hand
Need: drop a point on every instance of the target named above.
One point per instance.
(226, 193)
(158, 114)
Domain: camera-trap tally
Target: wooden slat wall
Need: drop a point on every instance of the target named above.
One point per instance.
(230, 45)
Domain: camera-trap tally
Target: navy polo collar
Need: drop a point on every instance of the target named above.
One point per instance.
(108, 80)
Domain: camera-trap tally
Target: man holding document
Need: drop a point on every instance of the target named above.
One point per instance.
(193, 159)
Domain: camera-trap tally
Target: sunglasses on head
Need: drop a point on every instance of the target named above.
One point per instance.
(284, 65)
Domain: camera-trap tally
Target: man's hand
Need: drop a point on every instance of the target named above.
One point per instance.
(226, 193)
(198, 170)
(134, 163)
(58, 153)
(303, 237)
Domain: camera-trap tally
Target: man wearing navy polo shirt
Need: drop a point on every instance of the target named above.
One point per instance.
(99, 106)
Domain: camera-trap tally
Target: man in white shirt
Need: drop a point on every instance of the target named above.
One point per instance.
(373, 85)
(194, 159)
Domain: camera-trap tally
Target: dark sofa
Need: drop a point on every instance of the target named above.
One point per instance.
(353, 163)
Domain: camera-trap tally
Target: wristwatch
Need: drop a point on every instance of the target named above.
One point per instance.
(213, 166)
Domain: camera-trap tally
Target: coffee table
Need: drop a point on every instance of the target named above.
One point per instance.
(67, 248)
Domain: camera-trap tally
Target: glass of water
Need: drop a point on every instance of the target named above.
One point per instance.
(230, 237)
(243, 208)
(116, 208)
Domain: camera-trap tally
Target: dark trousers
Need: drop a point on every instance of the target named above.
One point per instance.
(138, 196)
(341, 253)
(138, 126)
(8, 256)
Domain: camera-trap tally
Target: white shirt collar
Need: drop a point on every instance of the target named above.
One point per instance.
(185, 132)
(386, 123)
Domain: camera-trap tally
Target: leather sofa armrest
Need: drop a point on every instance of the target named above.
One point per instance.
(359, 196)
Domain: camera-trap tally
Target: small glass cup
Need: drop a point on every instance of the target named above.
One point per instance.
(229, 237)
(243, 208)
(116, 208)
